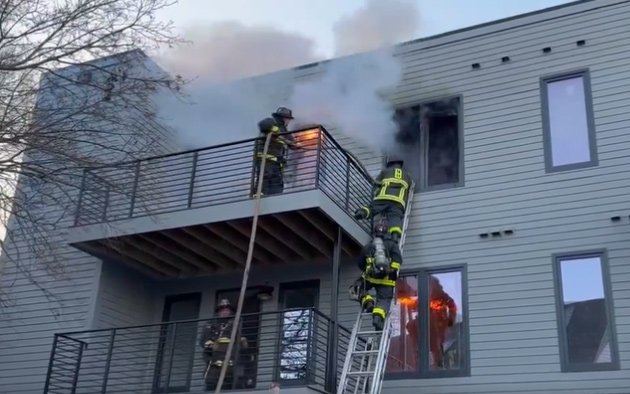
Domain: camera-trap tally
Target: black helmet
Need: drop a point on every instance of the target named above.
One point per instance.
(224, 303)
(394, 159)
(283, 112)
(380, 229)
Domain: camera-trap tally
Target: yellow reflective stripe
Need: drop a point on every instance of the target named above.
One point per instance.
(395, 265)
(385, 281)
(395, 229)
(275, 129)
(369, 260)
(223, 340)
(267, 156)
(367, 211)
(366, 299)
(379, 311)
(401, 182)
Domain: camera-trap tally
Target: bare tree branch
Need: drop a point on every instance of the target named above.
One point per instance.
(75, 93)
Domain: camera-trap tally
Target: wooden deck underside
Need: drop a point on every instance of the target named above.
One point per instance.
(282, 238)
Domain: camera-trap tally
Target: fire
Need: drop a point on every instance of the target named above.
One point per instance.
(408, 301)
(308, 137)
(437, 305)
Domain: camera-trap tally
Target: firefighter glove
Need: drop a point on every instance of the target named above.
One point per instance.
(209, 343)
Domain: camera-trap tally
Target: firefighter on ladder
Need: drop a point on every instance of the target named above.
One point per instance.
(214, 341)
(379, 261)
(390, 197)
(276, 158)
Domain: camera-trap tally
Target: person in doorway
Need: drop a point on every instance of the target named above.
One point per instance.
(276, 157)
(215, 339)
(379, 261)
(442, 315)
(390, 198)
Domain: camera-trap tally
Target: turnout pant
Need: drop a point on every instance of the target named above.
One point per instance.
(214, 362)
(273, 182)
(392, 212)
(382, 301)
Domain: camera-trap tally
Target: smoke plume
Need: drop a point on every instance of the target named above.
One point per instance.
(349, 95)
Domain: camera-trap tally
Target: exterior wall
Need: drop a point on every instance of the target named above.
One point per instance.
(45, 300)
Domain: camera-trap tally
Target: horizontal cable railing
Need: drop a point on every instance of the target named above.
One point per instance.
(290, 348)
(219, 175)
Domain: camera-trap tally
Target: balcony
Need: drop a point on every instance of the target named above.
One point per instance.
(189, 214)
(293, 348)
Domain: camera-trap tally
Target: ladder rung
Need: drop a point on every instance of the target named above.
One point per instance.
(361, 373)
(360, 352)
(369, 332)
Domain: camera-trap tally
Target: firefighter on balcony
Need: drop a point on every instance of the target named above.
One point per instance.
(214, 341)
(276, 158)
(379, 262)
(442, 315)
(390, 197)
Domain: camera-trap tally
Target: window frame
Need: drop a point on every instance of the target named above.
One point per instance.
(423, 371)
(565, 365)
(422, 186)
(584, 73)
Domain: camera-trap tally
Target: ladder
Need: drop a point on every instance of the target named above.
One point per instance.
(364, 366)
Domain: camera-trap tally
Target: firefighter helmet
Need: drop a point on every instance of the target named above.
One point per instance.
(283, 112)
(394, 159)
(224, 303)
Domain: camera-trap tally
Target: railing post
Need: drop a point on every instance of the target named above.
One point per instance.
(80, 202)
(76, 369)
(108, 362)
(170, 361)
(192, 178)
(347, 183)
(318, 158)
(334, 318)
(134, 189)
(309, 344)
(106, 204)
(50, 363)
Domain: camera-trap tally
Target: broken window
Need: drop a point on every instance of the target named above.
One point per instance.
(429, 140)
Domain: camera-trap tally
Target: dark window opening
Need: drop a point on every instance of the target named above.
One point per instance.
(429, 140)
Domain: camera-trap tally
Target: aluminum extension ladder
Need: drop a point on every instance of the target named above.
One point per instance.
(364, 366)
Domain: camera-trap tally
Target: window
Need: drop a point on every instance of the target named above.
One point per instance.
(430, 140)
(585, 320)
(298, 325)
(432, 343)
(569, 131)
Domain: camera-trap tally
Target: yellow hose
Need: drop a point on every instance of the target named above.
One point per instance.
(248, 263)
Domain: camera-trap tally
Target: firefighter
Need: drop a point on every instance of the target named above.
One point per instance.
(390, 197)
(379, 262)
(442, 315)
(273, 182)
(214, 341)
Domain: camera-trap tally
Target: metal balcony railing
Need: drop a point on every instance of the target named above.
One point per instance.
(218, 175)
(295, 347)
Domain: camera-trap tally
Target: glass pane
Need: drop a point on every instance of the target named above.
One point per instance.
(568, 122)
(446, 333)
(585, 318)
(404, 348)
(442, 124)
(297, 331)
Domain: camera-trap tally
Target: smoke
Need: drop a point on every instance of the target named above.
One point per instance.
(377, 24)
(350, 94)
(230, 50)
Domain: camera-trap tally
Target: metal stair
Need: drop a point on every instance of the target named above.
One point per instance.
(364, 366)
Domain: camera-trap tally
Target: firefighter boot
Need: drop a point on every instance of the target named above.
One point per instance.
(378, 322)
(367, 303)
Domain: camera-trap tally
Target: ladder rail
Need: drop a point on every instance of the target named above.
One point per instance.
(375, 377)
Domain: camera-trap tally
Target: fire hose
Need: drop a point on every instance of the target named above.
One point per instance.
(250, 252)
(248, 263)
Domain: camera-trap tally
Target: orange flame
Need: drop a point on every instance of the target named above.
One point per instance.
(308, 137)
(408, 301)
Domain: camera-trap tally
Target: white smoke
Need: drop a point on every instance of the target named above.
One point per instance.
(350, 94)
